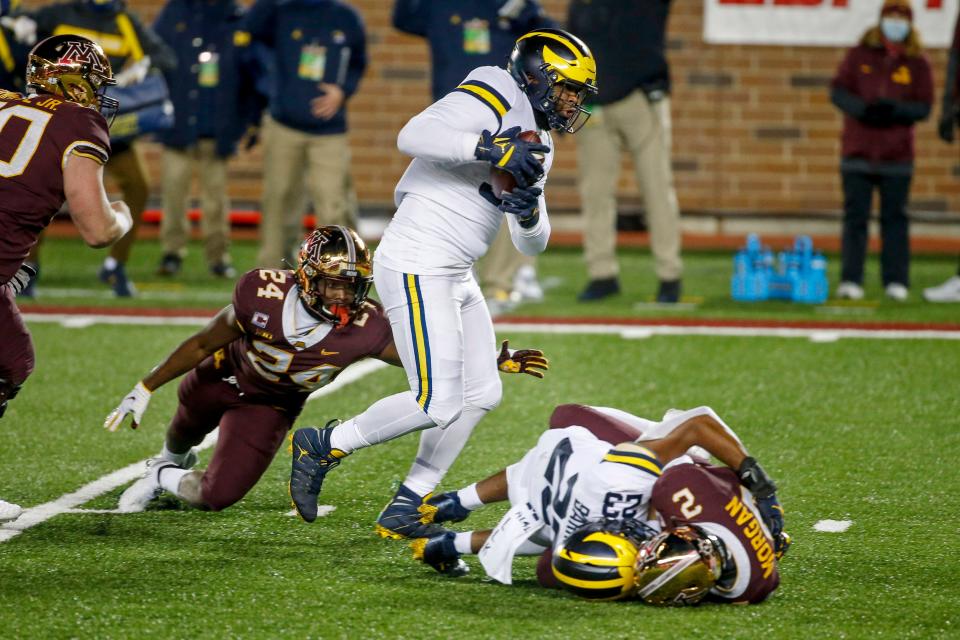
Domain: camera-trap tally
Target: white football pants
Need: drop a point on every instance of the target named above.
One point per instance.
(445, 338)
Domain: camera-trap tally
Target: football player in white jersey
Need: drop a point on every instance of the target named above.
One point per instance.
(575, 476)
(447, 216)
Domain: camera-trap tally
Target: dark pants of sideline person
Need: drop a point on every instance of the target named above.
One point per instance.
(894, 226)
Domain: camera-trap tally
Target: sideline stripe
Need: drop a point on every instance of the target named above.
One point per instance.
(629, 328)
(66, 503)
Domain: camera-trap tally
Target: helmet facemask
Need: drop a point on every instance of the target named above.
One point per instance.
(678, 566)
(562, 95)
(333, 255)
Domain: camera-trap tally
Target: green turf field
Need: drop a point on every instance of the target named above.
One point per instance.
(858, 429)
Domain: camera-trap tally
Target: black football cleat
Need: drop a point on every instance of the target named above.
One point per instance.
(312, 457)
(401, 518)
(438, 552)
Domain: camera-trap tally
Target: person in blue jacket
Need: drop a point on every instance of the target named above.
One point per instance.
(319, 55)
(463, 35)
(216, 103)
(466, 34)
(13, 52)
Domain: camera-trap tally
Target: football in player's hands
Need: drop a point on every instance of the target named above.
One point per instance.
(502, 180)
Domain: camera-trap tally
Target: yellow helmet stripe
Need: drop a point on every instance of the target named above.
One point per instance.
(583, 69)
(590, 584)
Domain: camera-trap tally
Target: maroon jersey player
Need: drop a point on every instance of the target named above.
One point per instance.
(53, 145)
(251, 369)
(713, 500)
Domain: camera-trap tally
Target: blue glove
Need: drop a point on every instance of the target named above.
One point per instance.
(763, 488)
(508, 152)
(772, 514)
(523, 202)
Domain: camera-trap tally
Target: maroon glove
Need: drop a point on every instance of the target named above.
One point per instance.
(529, 361)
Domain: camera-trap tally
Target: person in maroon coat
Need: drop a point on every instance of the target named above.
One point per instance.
(883, 87)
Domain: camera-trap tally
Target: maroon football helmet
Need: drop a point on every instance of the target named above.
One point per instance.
(334, 254)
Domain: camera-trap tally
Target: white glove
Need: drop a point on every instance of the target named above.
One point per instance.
(24, 29)
(21, 279)
(136, 403)
(134, 74)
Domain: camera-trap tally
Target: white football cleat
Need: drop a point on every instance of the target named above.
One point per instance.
(526, 286)
(9, 511)
(949, 291)
(897, 291)
(849, 291)
(146, 489)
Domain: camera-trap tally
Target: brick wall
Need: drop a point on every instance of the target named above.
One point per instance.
(753, 127)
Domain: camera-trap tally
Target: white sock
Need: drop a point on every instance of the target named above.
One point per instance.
(422, 478)
(439, 449)
(462, 542)
(170, 479)
(385, 419)
(109, 263)
(176, 458)
(347, 438)
(469, 498)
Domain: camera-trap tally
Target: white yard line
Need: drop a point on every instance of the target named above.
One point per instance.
(68, 503)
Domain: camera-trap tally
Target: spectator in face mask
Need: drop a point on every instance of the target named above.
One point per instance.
(883, 87)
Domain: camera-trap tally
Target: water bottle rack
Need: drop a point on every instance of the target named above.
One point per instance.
(799, 274)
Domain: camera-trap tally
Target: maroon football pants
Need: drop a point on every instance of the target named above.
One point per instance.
(16, 346)
(603, 426)
(250, 434)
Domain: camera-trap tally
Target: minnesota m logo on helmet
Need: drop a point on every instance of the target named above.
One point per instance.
(82, 51)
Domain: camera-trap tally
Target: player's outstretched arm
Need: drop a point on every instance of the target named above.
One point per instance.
(100, 222)
(709, 432)
(702, 430)
(220, 332)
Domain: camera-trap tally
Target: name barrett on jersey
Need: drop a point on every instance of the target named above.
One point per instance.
(286, 353)
(37, 136)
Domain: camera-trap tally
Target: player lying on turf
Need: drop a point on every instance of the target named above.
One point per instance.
(712, 546)
(252, 367)
(577, 476)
